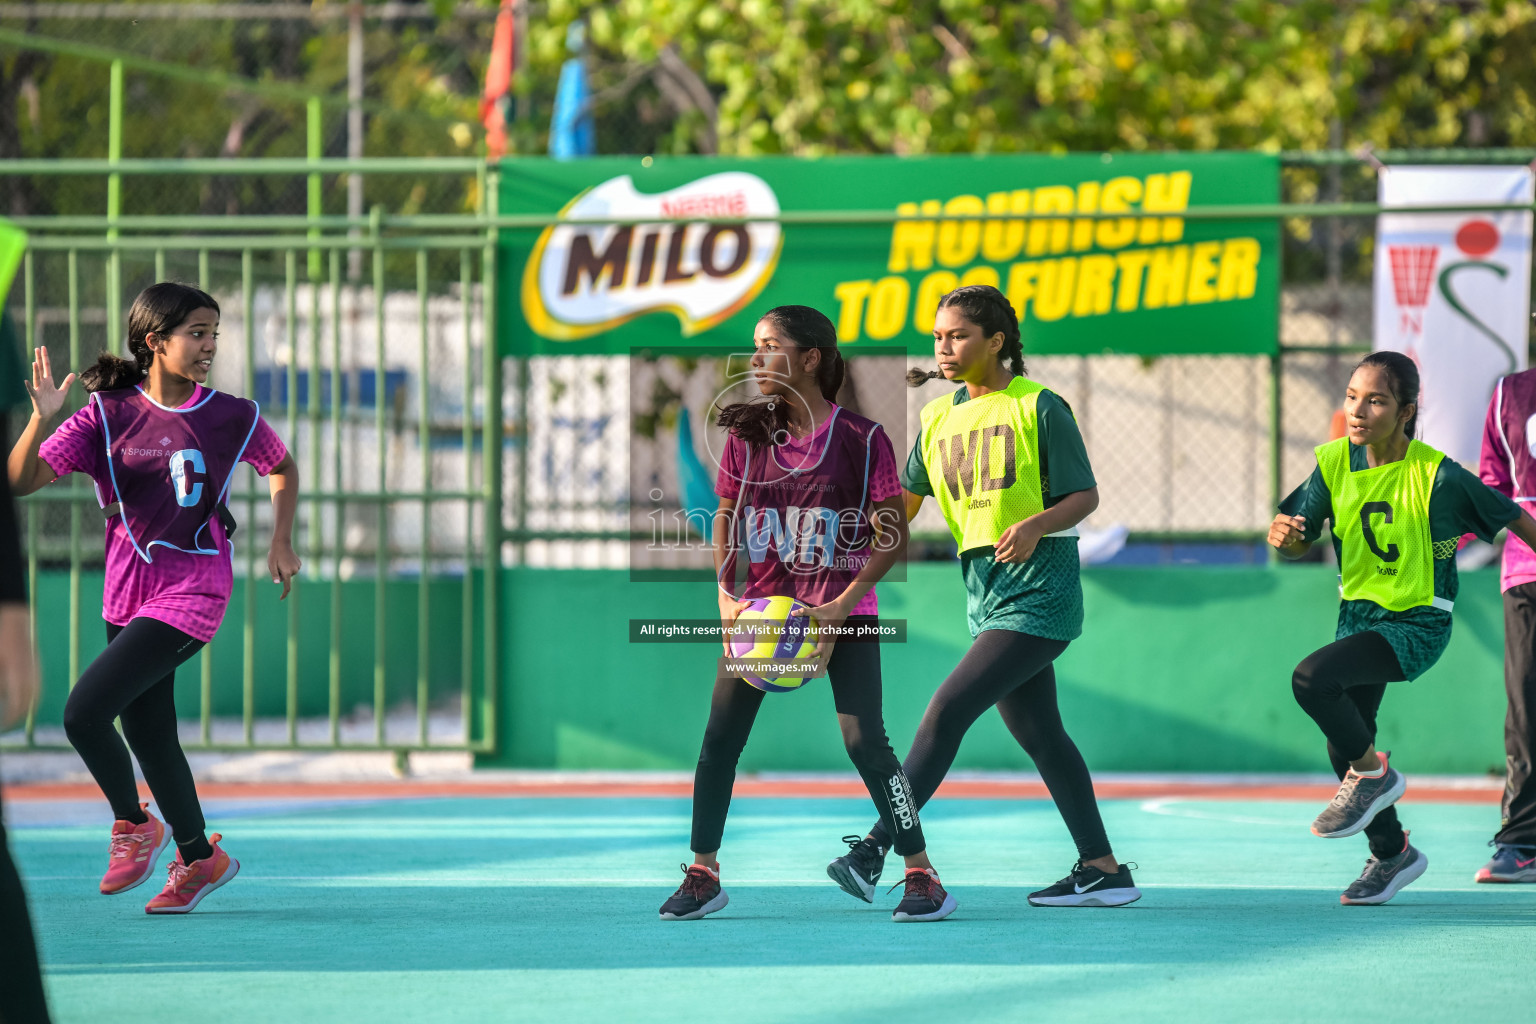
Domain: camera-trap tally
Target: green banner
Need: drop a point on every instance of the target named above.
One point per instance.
(678, 272)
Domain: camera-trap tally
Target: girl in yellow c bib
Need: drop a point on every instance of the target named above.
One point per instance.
(1004, 459)
(1399, 509)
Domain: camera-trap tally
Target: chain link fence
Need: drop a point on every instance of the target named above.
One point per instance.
(1181, 446)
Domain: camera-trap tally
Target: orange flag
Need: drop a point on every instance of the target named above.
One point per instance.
(496, 101)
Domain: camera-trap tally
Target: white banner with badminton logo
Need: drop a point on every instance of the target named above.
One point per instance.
(1453, 292)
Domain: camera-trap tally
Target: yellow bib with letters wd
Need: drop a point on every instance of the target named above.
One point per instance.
(983, 461)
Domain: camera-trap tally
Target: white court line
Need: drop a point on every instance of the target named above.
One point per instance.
(1163, 807)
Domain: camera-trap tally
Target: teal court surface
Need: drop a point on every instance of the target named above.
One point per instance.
(394, 906)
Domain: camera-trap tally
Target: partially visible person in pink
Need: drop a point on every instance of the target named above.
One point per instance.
(162, 448)
(1508, 465)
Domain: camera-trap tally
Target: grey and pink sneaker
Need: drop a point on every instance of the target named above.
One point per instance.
(187, 884)
(133, 853)
(1509, 864)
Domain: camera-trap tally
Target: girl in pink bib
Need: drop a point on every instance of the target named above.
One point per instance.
(161, 448)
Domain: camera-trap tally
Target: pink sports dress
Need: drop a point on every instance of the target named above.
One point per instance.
(187, 591)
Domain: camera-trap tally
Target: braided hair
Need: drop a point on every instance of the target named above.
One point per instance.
(159, 309)
(989, 309)
(760, 420)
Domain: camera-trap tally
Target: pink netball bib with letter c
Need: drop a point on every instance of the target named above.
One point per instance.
(171, 468)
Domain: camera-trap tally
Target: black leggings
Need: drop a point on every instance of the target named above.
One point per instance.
(854, 673)
(1012, 671)
(1341, 687)
(135, 678)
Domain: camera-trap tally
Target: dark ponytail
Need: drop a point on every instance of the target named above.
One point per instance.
(1402, 375)
(110, 372)
(760, 420)
(989, 309)
(159, 309)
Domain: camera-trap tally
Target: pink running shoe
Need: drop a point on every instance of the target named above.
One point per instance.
(189, 883)
(135, 850)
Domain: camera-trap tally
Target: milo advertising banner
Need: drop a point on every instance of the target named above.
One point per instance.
(686, 266)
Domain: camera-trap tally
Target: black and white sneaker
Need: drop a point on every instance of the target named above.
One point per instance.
(924, 898)
(699, 896)
(1384, 878)
(1087, 886)
(1359, 799)
(858, 871)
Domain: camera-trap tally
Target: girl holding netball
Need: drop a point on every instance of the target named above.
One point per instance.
(1005, 461)
(1399, 509)
(162, 448)
(810, 507)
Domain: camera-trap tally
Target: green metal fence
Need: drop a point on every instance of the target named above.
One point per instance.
(402, 427)
(346, 412)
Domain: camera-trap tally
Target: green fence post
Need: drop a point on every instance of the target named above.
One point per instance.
(491, 473)
(467, 440)
(29, 333)
(1276, 415)
(74, 483)
(114, 205)
(381, 520)
(248, 661)
(315, 150)
(291, 408)
(205, 656)
(338, 513)
(424, 441)
(316, 414)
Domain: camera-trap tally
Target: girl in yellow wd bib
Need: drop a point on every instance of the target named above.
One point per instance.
(1399, 509)
(1004, 459)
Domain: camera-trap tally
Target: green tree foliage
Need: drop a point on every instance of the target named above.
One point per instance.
(810, 77)
(802, 77)
(424, 75)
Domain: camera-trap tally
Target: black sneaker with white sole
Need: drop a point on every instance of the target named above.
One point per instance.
(924, 899)
(858, 871)
(1359, 799)
(1087, 886)
(699, 896)
(1384, 878)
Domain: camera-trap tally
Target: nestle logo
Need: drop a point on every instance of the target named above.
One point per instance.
(729, 204)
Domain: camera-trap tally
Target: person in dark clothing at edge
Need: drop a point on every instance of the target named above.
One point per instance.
(21, 982)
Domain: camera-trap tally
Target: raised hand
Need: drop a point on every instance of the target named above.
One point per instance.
(47, 400)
